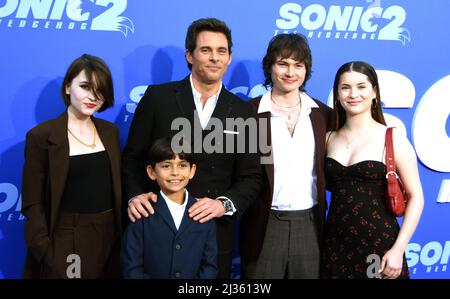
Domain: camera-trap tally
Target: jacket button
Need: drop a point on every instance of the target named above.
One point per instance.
(177, 274)
(178, 247)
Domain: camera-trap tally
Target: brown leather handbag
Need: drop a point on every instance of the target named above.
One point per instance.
(396, 196)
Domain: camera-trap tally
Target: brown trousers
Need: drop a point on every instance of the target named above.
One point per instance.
(84, 246)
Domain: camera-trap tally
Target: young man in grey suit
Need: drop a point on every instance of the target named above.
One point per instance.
(227, 181)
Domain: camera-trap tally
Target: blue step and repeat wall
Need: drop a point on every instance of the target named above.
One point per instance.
(143, 43)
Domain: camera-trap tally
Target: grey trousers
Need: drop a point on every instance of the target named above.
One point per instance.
(290, 249)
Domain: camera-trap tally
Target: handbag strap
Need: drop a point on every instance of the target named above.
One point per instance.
(390, 159)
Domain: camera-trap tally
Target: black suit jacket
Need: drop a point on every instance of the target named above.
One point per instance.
(254, 222)
(44, 177)
(234, 175)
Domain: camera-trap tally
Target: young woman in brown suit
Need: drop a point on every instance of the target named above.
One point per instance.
(71, 182)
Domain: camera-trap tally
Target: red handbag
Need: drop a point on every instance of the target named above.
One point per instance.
(396, 196)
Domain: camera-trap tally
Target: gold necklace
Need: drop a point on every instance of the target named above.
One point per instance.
(286, 107)
(80, 141)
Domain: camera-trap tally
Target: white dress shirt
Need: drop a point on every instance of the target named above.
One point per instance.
(204, 113)
(176, 210)
(293, 157)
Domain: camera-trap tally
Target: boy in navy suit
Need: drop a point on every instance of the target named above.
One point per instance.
(170, 244)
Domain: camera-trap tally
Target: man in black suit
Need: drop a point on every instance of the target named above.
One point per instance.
(227, 181)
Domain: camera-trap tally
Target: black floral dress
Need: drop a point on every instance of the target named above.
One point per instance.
(358, 224)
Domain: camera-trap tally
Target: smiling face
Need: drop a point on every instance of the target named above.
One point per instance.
(355, 93)
(172, 175)
(210, 58)
(83, 102)
(287, 75)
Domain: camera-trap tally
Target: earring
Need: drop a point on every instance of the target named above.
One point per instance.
(336, 103)
(374, 105)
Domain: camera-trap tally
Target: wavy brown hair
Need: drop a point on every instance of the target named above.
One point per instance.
(287, 45)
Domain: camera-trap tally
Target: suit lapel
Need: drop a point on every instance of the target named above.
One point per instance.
(223, 106)
(185, 99)
(264, 129)
(163, 210)
(318, 125)
(186, 221)
(58, 164)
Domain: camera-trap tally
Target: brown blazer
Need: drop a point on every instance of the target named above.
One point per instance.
(254, 221)
(44, 176)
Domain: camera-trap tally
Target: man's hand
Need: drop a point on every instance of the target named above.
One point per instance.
(140, 204)
(206, 209)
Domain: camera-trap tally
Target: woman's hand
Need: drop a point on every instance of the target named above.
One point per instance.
(391, 264)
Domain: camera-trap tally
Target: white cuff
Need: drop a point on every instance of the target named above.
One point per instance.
(232, 205)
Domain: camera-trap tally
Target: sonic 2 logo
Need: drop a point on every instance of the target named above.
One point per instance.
(433, 255)
(10, 203)
(103, 15)
(347, 22)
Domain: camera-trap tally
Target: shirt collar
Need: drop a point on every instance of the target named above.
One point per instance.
(265, 104)
(197, 95)
(173, 205)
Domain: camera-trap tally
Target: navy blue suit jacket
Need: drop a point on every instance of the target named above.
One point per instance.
(153, 248)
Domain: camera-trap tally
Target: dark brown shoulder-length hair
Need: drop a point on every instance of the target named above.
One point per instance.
(98, 76)
(287, 45)
(362, 67)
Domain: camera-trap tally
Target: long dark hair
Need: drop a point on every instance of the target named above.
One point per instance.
(362, 67)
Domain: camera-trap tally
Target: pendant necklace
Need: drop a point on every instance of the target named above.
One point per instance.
(80, 141)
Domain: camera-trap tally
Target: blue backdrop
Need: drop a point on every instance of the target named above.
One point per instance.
(143, 43)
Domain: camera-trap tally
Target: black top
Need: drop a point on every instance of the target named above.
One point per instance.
(88, 186)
